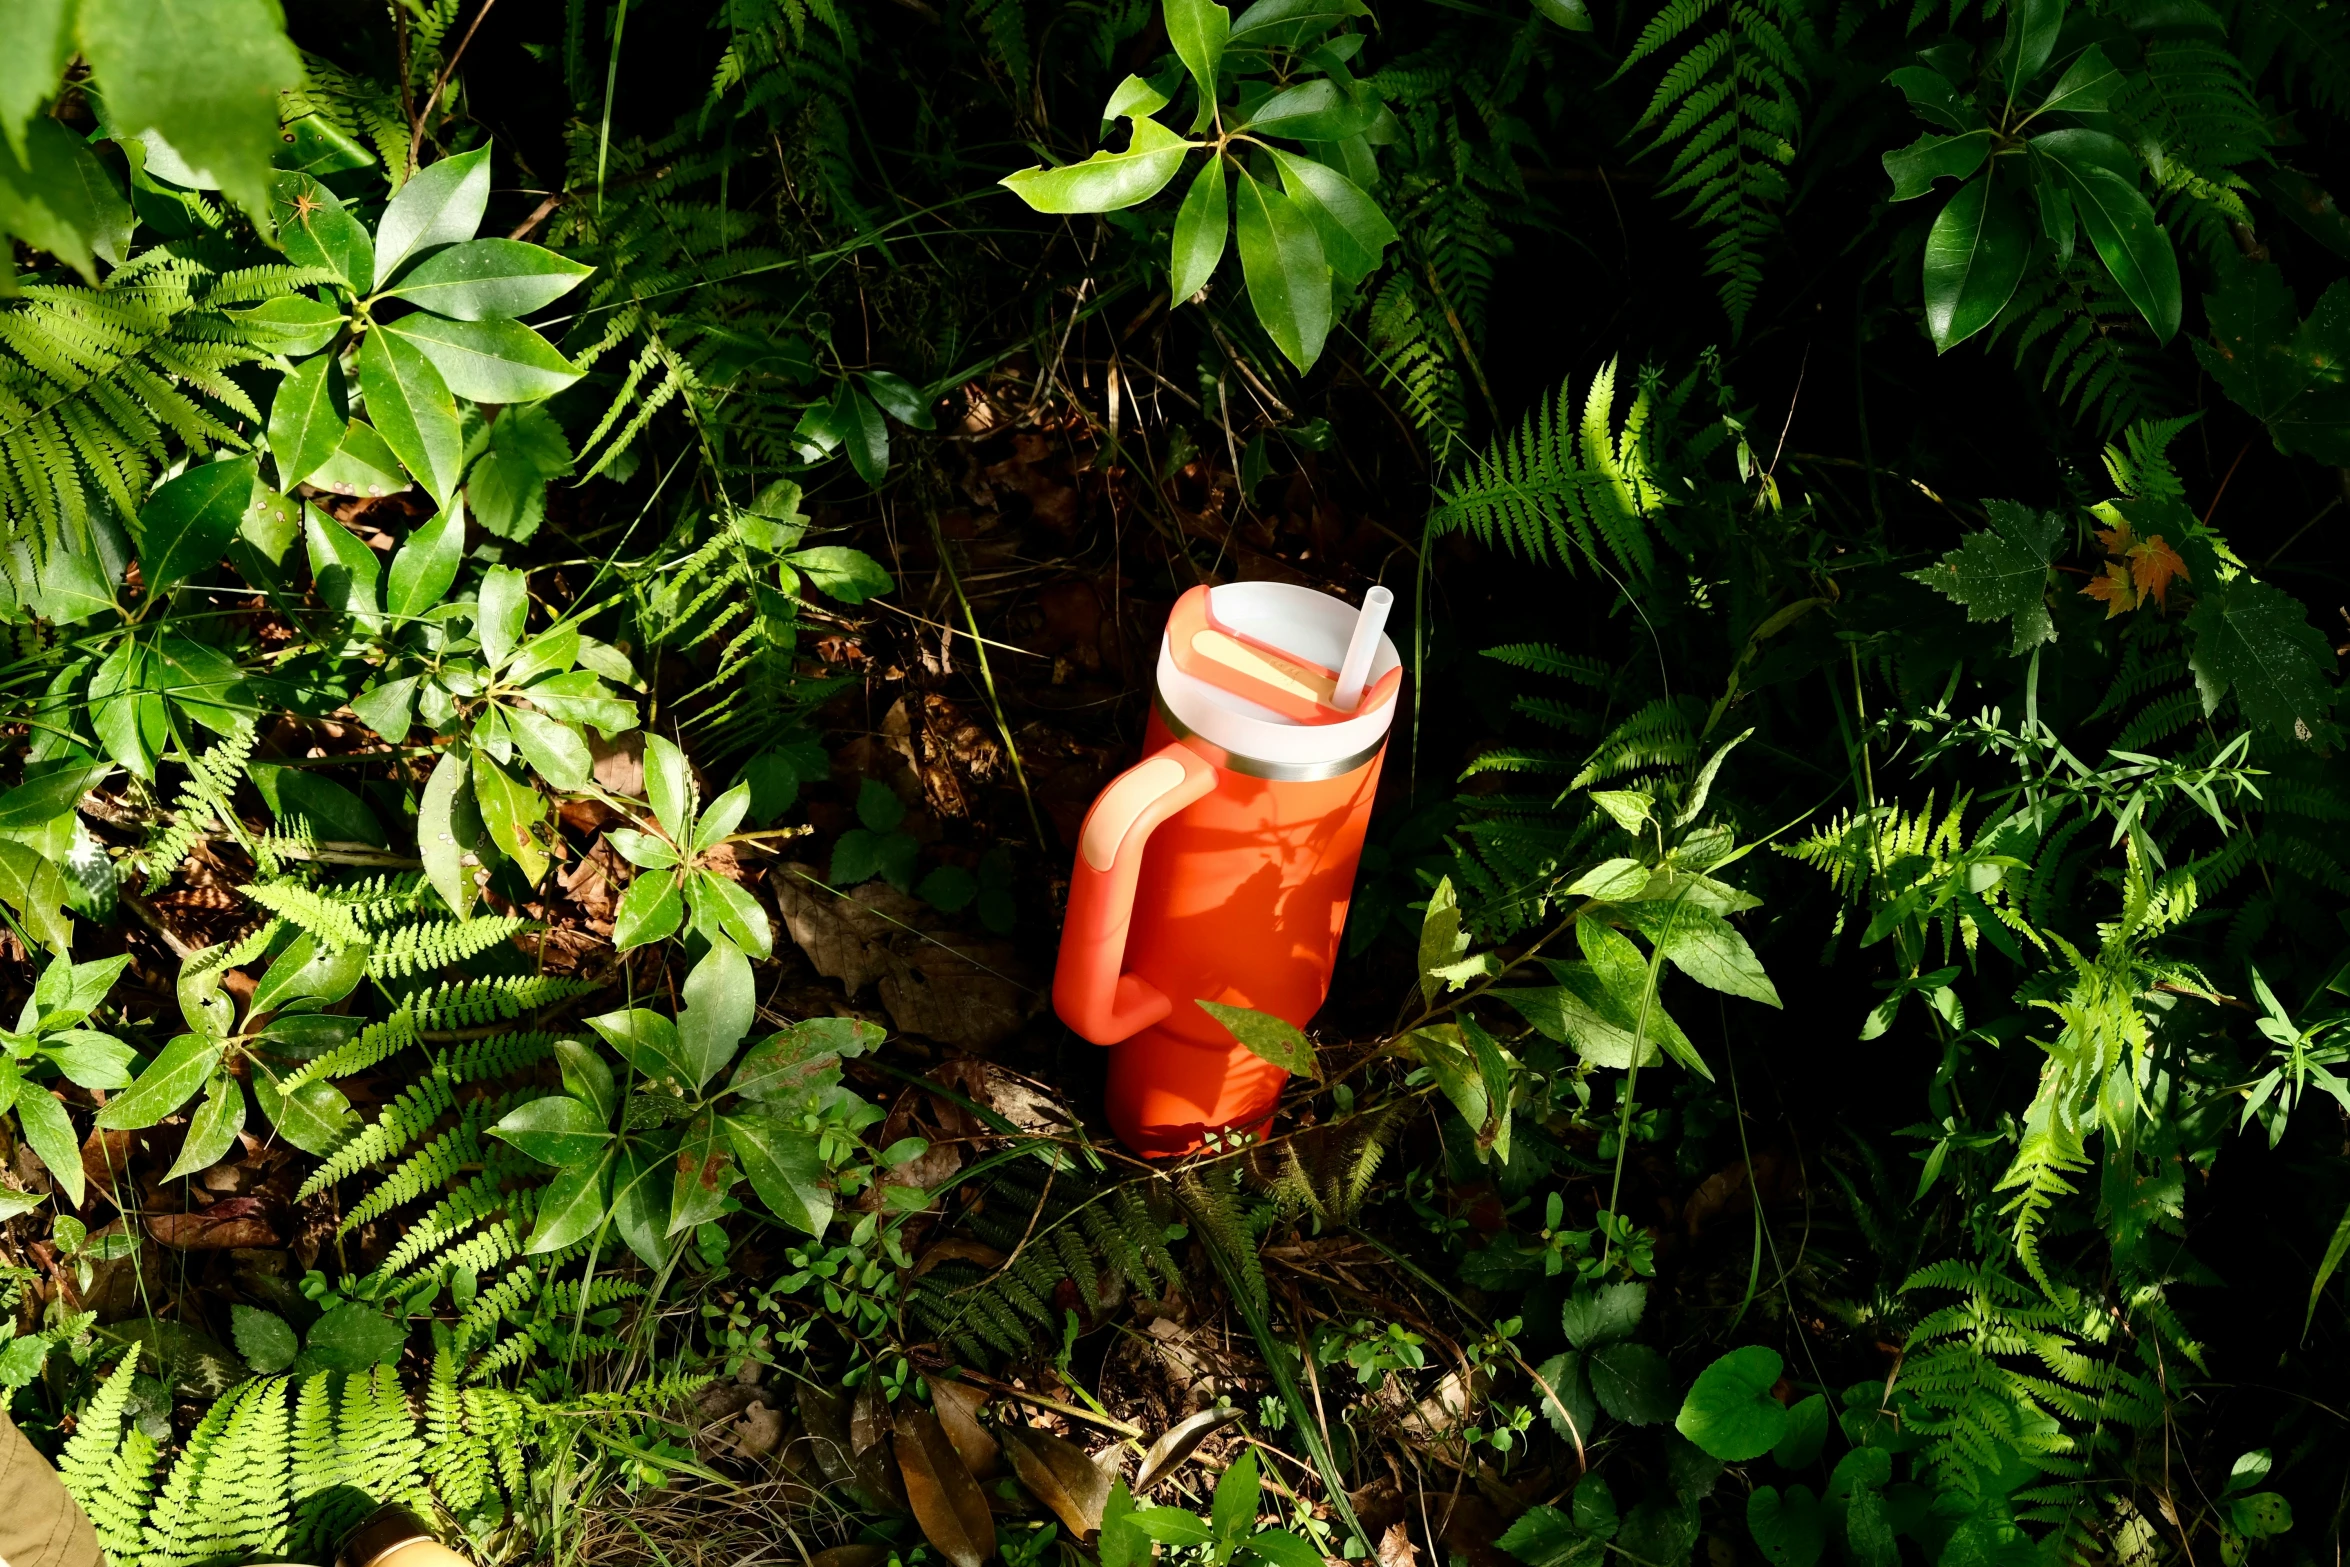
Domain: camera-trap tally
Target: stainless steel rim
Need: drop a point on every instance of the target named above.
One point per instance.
(1257, 767)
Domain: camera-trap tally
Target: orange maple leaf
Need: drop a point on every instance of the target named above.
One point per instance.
(2152, 566)
(2116, 588)
(2116, 539)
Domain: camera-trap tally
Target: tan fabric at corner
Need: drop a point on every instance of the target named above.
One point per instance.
(40, 1523)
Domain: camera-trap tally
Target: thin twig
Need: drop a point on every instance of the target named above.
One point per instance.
(440, 84)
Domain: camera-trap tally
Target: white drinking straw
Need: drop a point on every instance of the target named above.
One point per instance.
(1357, 666)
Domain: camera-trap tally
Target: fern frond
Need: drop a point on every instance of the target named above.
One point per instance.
(203, 800)
(415, 949)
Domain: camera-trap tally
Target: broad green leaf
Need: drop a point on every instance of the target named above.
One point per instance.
(721, 999)
(669, 785)
(40, 47)
(204, 681)
(448, 826)
(579, 697)
(1807, 1433)
(645, 1039)
(441, 204)
(558, 752)
(1232, 1510)
(59, 198)
(213, 1129)
(721, 817)
(501, 610)
(512, 459)
(1729, 1412)
(2282, 370)
(1931, 97)
(263, 1338)
(1704, 946)
(1317, 110)
(641, 849)
(1288, 277)
(705, 1172)
(307, 418)
(1202, 226)
(410, 407)
(650, 910)
(489, 361)
(586, 1077)
(898, 397)
(1197, 29)
(571, 1207)
(334, 812)
(509, 810)
(1630, 997)
(128, 721)
(1283, 23)
(344, 570)
(2001, 573)
(1975, 256)
(1916, 167)
(1610, 880)
(35, 888)
(1788, 1529)
(206, 76)
(1266, 1036)
(92, 1059)
(2119, 222)
(557, 1130)
(290, 324)
(43, 798)
(1107, 181)
(1605, 1315)
(318, 231)
(170, 1081)
(315, 1117)
(2032, 26)
(1354, 231)
(858, 422)
(427, 564)
(1988, 1536)
(351, 1338)
(2087, 86)
(50, 1130)
(1573, 15)
(640, 1179)
(728, 904)
(1632, 1382)
(490, 279)
(1544, 1536)
(1135, 97)
(187, 523)
(784, 1168)
(787, 1066)
(2257, 641)
(1280, 1548)
(388, 707)
(850, 575)
(363, 464)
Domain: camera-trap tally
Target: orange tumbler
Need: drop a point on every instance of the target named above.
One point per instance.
(1220, 866)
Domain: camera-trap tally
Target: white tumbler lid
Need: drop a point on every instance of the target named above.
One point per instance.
(1301, 621)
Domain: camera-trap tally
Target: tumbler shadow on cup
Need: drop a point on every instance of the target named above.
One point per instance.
(1219, 868)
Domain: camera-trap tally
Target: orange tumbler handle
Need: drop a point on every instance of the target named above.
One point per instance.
(1090, 990)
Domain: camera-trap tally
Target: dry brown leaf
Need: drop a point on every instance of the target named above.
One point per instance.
(1396, 1548)
(232, 1222)
(757, 1432)
(850, 1556)
(1180, 1442)
(956, 1249)
(1061, 1476)
(958, 1405)
(947, 1502)
(968, 992)
(825, 1415)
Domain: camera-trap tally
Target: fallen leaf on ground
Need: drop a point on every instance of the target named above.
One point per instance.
(1060, 1475)
(1396, 1548)
(947, 1502)
(958, 1405)
(1180, 1442)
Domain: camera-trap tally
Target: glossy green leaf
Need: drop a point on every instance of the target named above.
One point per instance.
(409, 404)
(863, 432)
(171, 1080)
(705, 1172)
(1107, 181)
(727, 903)
(898, 397)
(2032, 28)
(1806, 1434)
(669, 785)
(1573, 15)
(640, 1184)
(721, 999)
(426, 564)
(510, 809)
(307, 418)
(650, 910)
(501, 611)
(1975, 256)
(334, 813)
(49, 795)
(558, 752)
(1317, 110)
(2119, 222)
(489, 361)
(50, 1131)
(1931, 97)
(213, 1129)
(586, 1077)
(1283, 23)
(2256, 640)
(1729, 1412)
(1288, 276)
(1916, 167)
(206, 76)
(1197, 29)
(187, 523)
(441, 204)
(363, 464)
(1282, 1043)
(490, 279)
(645, 1039)
(317, 230)
(850, 575)
(2001, 573)
(571, 1206)
(1354, 231)
(448, 826)
(2088, 85)
(721, 817)
(40, 47)
(290, 324)
(344, 570)
(557, 1130)
(1202, 226)
(784, 1168)
(57, 197)
(1135, 97)
(315, 1118)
